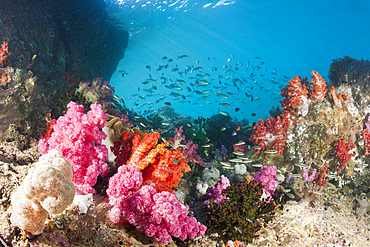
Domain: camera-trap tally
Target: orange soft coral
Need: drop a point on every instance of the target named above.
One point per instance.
(165, 173)
(337, 98)
(143, 151)
(161, 167)
(318, 88)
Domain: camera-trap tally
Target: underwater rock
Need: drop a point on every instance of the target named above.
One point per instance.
(49, 38)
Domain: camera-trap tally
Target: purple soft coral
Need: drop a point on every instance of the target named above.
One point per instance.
(215, 192)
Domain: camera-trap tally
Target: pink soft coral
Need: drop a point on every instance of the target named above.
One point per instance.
(267, 177)
(78, 137)
(159, 215)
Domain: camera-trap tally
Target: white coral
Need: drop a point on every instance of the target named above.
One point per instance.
(46, 189)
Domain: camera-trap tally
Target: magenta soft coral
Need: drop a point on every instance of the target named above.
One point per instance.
(78, 137)
(215, 192)
(159, 215)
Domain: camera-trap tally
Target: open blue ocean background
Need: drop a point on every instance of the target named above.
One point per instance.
(262, 43)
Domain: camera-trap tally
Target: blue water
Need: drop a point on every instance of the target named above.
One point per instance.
(289, 37)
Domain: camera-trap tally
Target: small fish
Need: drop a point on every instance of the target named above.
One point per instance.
(182, 57)
(207, 170)
(115, 97)
(206, 91)
(256, 147)
(223, 128)
(318, 193)
(253, 114)
(123, 73)
(247, 161)
(236, 160)
(271, 151)
(331, 176)
(239, 143)
(301, 165)
(234, 133)
(257, 165)
(142, 125)
(237, 109)
(223, 113)
(290, 195)
(296, 175)
(206, 145)
(286, 190)
(166, 124)
(225, 104)
(225, 164)
(297, 194)
(176, 95)
(167, 103)
(223, 96)
(238, 153)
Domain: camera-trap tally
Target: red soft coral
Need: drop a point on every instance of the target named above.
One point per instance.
(271, 134)
(318, 88)
(295, 96)
(342, 153)
(4, 52)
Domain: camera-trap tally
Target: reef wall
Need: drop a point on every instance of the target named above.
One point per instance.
(47, 39)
